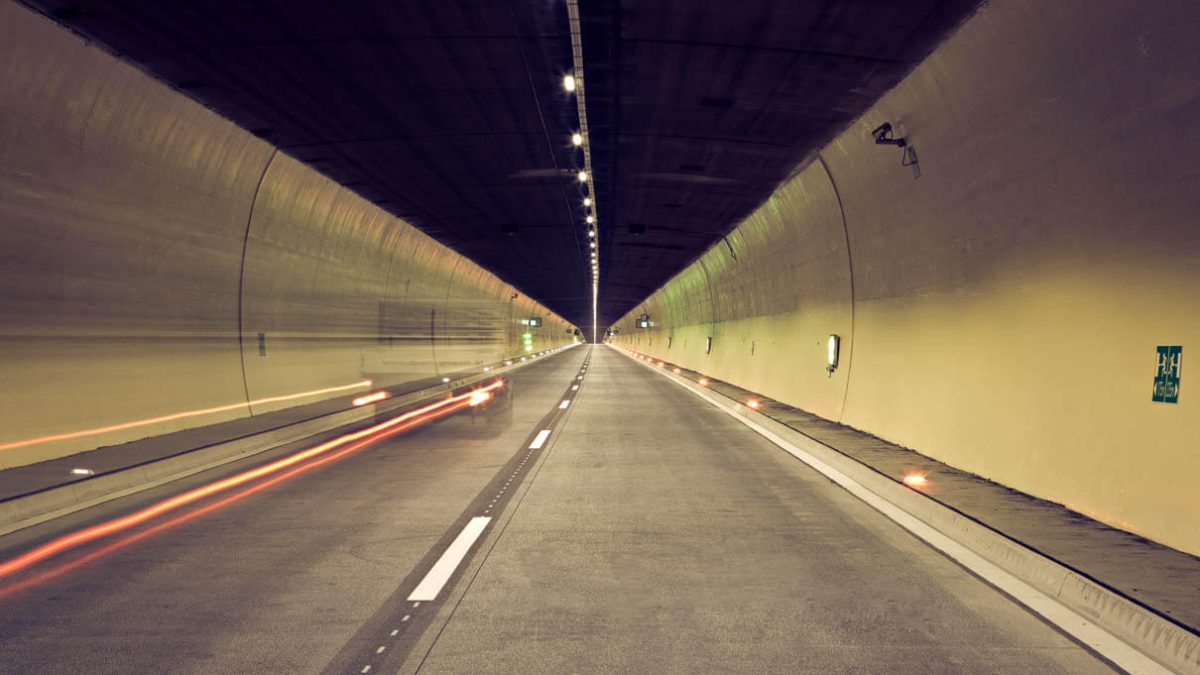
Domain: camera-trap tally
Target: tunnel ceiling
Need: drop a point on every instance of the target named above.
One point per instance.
(451, 114)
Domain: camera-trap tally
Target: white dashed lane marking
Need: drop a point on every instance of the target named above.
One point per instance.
(437, 577)
(564, 404)
(540, 439)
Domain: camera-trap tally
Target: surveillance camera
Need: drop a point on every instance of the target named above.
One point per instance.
(883, 134)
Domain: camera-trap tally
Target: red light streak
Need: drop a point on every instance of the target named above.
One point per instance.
(374, 433)
(371, 398)
(175, 416)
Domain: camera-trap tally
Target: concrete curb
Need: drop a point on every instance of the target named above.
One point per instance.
(23, 512)
(1139, 627)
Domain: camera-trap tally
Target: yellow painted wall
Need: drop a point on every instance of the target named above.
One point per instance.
(1003, 309)
(128, 214)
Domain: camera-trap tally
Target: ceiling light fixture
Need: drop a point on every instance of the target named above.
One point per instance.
(569, 82)
(576, 139)
(590, 219)
(582, 176)
(587, 201)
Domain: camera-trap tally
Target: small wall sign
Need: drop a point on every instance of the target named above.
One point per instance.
(1166, 374)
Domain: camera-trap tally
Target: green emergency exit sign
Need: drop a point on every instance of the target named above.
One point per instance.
(1166, 374)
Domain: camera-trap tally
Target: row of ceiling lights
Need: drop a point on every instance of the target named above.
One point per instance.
(579, 139)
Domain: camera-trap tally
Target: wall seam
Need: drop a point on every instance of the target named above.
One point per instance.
(242, 275)
(853, 300)
(91, 115)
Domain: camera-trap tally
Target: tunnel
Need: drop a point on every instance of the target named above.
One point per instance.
(599, 336)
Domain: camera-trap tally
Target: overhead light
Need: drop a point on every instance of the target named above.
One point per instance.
(577, 139)
(587, 201)
(593, 244)
(703, 382)
(582, 176)
(752, 403)
(590, 219)
(915, 480)
(569, 82)
(591, 233)
(445, 379)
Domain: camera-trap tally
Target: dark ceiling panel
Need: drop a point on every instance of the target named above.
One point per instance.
(450, 114)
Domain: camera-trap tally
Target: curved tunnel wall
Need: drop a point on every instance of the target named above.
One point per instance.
(146, 243)
(1001, 312)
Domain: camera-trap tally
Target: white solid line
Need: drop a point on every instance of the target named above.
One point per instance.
(564, 404)
(574, 387)
(440, 573)
(540, 439)
(1107, 644)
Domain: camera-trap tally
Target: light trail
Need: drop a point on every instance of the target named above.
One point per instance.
(371, 434)
(371, 398)
(208, 508)
(176, 416)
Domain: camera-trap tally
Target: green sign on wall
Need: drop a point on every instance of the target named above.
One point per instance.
(1166, 374)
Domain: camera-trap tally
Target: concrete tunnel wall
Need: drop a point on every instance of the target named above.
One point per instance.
(146, 242)
(1001, 313)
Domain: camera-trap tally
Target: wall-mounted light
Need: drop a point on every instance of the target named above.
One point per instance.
(643, 321)
(831, 358)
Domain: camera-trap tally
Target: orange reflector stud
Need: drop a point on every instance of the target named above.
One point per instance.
(370, 398)
(915, 480)
(752, 403)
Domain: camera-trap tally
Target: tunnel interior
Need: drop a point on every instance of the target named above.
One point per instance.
(945, 234)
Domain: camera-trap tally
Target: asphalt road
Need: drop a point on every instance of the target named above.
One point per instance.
(647, 532)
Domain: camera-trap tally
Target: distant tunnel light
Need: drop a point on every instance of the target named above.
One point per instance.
(569, 82)
(576, 139)
(661, 364)
(587, 201)
(590, 219)
(582, 176)
(678, 371)
(753, 403)
(915, 480)
(370, 398)
(82, 472)
(703, 382)
(445, 380)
